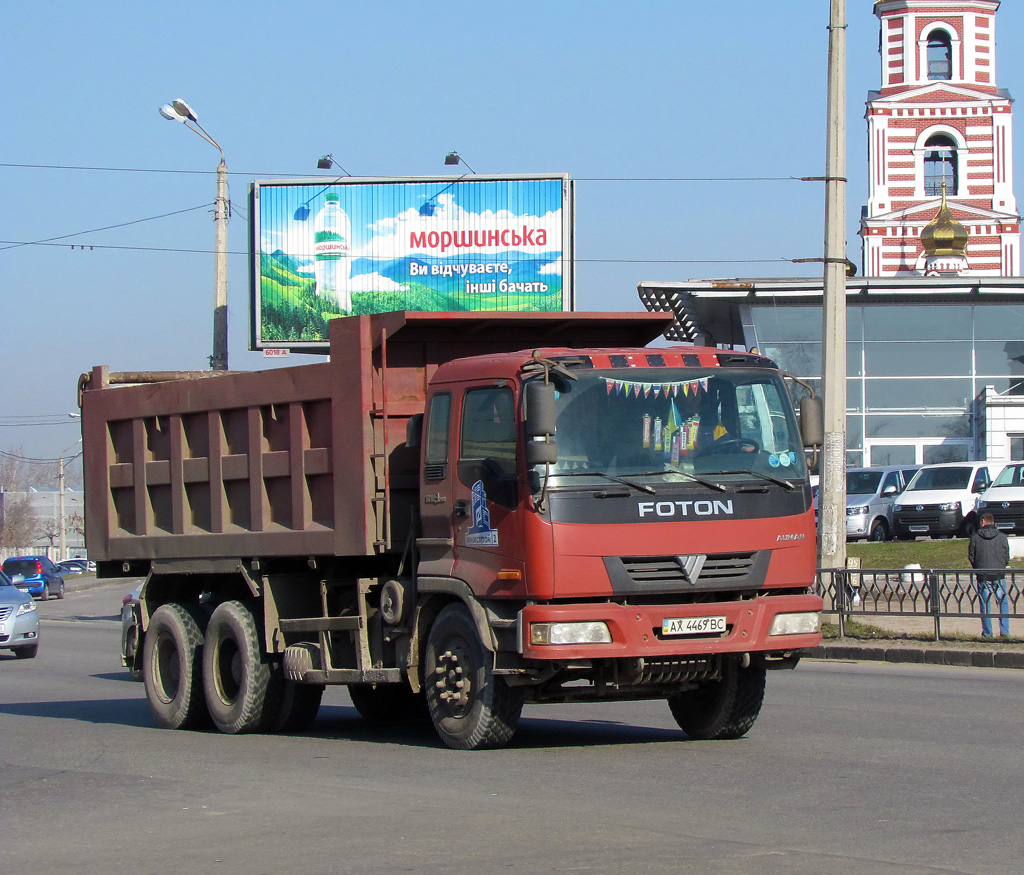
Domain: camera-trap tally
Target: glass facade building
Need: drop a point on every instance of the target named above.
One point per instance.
(919, 354)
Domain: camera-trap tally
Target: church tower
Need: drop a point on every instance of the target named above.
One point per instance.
(940, 140)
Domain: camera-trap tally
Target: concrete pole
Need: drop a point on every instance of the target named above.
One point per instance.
(219, 359)
(832, 483)
(63, 525)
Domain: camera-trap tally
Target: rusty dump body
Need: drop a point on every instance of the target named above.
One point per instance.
(302, 461)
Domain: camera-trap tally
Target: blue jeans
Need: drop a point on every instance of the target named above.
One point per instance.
(997, 588)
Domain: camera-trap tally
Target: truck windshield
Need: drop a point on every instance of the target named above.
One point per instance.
(670, 424)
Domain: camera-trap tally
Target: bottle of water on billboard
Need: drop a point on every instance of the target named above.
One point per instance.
(331, 233)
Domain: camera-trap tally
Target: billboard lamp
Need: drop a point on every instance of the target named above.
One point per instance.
(455, 158)
(325, 163)
(179, 111)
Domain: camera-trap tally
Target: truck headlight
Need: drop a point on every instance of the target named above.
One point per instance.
(857, 510)
(795, 624)
(952, 505)
(896, 508)
(570, 633)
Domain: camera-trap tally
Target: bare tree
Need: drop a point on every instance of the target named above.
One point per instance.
(50, 530)
(18, 523)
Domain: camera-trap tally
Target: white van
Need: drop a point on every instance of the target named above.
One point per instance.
(1004, 499)
(941, 500)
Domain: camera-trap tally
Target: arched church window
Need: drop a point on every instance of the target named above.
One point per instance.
(940, 165)
(940, 55)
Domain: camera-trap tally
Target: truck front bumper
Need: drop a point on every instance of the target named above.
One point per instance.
(638, 630)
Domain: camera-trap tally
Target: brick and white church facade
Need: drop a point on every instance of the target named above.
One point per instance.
(939, 117)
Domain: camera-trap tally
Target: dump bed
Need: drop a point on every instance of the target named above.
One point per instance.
(300, 461)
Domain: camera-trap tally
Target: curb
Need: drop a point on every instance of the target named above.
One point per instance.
(920, 655)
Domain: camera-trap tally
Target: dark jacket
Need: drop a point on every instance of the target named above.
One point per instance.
(989, 550)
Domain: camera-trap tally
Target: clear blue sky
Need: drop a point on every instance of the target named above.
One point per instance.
(627, 91)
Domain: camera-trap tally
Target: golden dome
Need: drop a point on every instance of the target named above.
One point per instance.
(944, 235)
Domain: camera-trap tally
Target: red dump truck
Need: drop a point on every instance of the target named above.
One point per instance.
(455, 515)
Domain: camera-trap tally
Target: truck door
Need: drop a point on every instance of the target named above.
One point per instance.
(437, 554)
(487, 529)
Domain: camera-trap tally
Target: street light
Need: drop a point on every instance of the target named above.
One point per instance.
(179, 111)
(455, 158)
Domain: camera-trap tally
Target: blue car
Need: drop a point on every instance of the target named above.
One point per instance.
(42, 578)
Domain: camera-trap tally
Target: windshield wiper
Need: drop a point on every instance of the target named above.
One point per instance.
(710, 484)
(785, 484)
(641, 486)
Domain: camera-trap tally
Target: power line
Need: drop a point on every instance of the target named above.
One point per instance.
(14, 457)
(577, 260)
(251, 174)
(105, 228)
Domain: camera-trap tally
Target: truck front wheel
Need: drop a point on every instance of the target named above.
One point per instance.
(237, 680)
(721, 709)
(172, 668)
(470, 706)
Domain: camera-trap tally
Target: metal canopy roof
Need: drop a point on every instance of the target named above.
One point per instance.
(708, 311)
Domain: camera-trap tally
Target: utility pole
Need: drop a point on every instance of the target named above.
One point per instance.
(832, 483)
(63, 531)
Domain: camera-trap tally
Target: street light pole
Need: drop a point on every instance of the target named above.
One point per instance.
(178, 110)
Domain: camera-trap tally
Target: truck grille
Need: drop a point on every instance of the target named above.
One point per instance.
(5, 612)
(688, 572)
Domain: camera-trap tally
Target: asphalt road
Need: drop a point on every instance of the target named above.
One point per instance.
(852, 767)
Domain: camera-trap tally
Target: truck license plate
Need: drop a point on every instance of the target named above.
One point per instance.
(918, 528)
(692, 625)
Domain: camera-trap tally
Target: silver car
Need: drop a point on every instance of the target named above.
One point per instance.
(870, 494)
(19, 619)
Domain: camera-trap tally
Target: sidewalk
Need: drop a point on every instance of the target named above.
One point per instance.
(985, 654)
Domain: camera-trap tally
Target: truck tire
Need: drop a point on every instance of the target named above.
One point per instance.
(721, 709)
(300, 703)
(470, 706)
(879, 531)
(236, 678)
(172, 660)
(384, 703)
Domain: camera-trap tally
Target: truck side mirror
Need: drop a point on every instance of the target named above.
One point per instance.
(540, 409)
(812, 422)
(541, 452)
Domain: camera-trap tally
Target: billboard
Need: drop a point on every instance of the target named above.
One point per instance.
(322, 249)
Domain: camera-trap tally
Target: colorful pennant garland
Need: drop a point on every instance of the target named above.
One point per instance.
(633, 387)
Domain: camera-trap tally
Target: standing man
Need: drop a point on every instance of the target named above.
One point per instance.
(989, 553)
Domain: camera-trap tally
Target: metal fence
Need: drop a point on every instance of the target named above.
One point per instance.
(917, 592)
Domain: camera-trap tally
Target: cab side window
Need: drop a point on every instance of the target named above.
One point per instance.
(489, 428)
(438, 427)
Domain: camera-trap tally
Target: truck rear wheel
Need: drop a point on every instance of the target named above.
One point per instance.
(470, 706)
(721, 709)
(237, 680)
(172, 668)
(383, 703)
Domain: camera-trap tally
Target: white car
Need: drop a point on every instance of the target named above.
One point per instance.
(1004, 499)
(941, 500)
